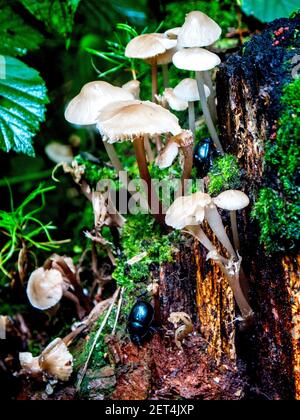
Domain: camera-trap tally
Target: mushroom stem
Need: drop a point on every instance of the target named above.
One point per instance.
(154, 81)
(206, 113)
(198, 234)
(192, 124)
(234, 283)
(165, 69)
(211, 99)
(234, 228)
(153, 200)
(113, 157)
(188, 164)
(215, 222)
(149, 152)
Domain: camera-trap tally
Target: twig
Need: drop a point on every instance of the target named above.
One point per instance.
(104, 322)
(118, 310)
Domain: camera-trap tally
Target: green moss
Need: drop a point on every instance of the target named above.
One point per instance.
(278, 220)
(94, 172)
(277, 211)
(224, 175)
(141, 234)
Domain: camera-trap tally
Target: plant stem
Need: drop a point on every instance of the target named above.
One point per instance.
(215, 222)
(154, 81)
(234, 228)
(113, 157)
(192, 124)
(153, 200)
(149, 152)
(206, 113)
(165, 69)
(211, 99)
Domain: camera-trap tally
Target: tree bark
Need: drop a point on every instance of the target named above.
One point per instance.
(248, 107)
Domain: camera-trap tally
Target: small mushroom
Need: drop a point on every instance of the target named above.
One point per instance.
(148, 47)
(188, 213)
(187, 90)
(85, 107)
(59, 153)
(174, 102)
(173, 33)
(199, 30)
(45, 288)
(200, 60)
(133, 121)
(55, 362)
(232, 201)
(133, 87)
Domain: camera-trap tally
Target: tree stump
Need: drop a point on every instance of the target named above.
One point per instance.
(249, 89)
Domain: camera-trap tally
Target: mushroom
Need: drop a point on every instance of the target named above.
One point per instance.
(184, 142)
(164, 60)
(55, 362)
(59, 153)
(85, 107)
(188, 213)
(200, 60)
(174, 102)
(233, 200)
(149, 47)
(187, 90)
(133, 121)
(173, 33)
(45, 288)
(199, 30)
(133, 87)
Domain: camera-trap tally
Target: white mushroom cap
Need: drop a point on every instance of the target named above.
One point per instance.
(199, 30)
(129, 120)
(59, 153)
(232, 200)
(174, 102)
(45, 288)
(30, 364)
(187, 90)
(173, 33)
(85, 107)
(149, 46)
(133, 87)
(168, 155)
(189, 210)
(167, 57)
(55, 361)
(196, 59)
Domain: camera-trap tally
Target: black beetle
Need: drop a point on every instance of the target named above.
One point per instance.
(140, 322)
(204, 154)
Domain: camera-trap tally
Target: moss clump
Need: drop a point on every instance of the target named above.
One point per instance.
(277, 210)
(224, 175)
(278, 220)
(141, 234)
(95, 172)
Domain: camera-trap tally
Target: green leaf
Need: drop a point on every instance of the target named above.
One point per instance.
(268, 10)
(58, 15)
(23, 97)
(17, 38)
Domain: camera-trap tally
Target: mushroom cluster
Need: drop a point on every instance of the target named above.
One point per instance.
(188, 214)
(55, 362)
